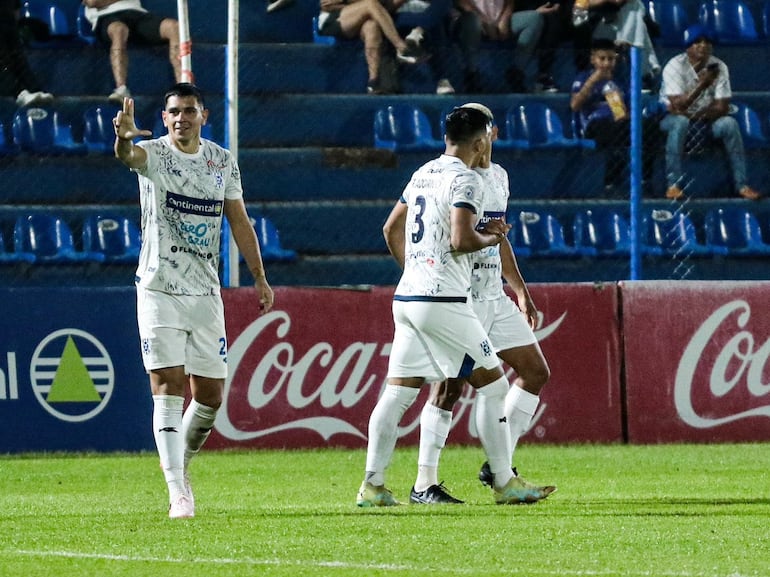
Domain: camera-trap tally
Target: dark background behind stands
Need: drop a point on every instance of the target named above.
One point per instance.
(307, 156)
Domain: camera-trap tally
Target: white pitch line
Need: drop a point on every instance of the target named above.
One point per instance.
(362, 566)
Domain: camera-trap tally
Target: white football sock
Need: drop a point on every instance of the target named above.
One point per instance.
(492, 427)
(434, 431)
(520, 407)
(383, 429)
(197, 422)
(167, 430)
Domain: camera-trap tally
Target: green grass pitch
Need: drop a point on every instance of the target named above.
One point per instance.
(625, 511)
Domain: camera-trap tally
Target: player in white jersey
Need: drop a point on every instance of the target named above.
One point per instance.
(187, 184)
(510, 328)
(431, 232)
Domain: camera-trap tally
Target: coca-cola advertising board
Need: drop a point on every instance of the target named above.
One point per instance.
(696, 356)
(308, 373)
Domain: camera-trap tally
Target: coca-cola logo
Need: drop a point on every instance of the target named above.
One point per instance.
(740, 360)
(316, 390)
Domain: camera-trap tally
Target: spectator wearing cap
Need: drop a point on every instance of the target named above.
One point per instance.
(696, 92)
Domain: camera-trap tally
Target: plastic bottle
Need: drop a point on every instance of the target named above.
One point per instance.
(580, 12)
(612, 95)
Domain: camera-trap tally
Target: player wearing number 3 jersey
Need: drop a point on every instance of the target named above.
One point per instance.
(431, 232)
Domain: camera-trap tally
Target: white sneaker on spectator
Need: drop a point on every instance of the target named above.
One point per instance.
(25, 98)
(119, 94)
(445, 87)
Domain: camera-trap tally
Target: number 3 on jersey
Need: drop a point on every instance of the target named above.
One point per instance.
(418, 227)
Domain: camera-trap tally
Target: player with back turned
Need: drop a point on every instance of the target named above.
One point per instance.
(186, 185)
(432, 231)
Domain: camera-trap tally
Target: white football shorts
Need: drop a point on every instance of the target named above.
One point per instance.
(182, 330)
(505, 324)
(437, 341)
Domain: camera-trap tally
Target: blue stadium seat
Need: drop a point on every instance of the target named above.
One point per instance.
(42, 130)
(53, 17)
(730, 21)
(49, 238)
(538, 125)
(736, 231)
(117, 237)
(601, 232)
(83, 27)
(319, 38)
(666, 233)
(270, 242)
(7, 146)
(766, 19)
(404, 128)
(672, 17)
(98, 131)
(13, 257)
(539, 233)
(750, 125)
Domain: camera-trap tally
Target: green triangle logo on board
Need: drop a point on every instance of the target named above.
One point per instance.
(72, 383)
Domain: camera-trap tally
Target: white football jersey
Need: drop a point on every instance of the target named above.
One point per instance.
(182, 200)
(486, 279)
(433, 270)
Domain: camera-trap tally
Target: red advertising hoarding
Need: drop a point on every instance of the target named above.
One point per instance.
(696, 361)
(309, 373)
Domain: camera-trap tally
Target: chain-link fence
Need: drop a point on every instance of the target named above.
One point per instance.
(323, 162)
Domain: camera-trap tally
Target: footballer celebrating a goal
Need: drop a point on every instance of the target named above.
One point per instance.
(186, 185)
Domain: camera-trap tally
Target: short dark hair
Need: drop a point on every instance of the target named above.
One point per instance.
(464, 124)
(184, 89)
(603, 44)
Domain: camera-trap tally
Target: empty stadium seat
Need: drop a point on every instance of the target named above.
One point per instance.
(98, 131)
(730, 21)
(83, 27)
(41, 130)
(14, 257)
(117, 237)
(601, 232)
(538, 125)
(52, 16)
(750, 125)
(766, 19)
(7, 146)
(270, 242)
(539, 233)
(667, 233)
(672, 17)
(404, 128)
(49, 238)
(736, 231)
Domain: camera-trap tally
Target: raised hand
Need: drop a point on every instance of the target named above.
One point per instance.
(124, 123)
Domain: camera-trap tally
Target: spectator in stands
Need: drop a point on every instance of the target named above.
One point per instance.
(370, 20)
(497, 20)
(115, 22)
(696, 91)
(16, 76)
(429, 20)
(625, 23)
(556, 25)
(187, 184)
(602, 111)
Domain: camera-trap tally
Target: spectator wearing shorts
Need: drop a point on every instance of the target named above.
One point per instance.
(118, 22)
